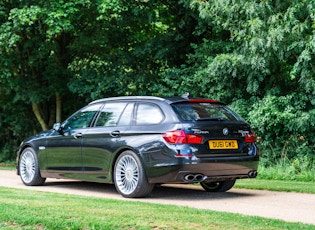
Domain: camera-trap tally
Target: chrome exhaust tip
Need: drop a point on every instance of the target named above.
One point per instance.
(189, 177)
(194, 178)
(252, 174)
(199, 177)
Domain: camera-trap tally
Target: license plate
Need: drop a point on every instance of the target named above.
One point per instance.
(223, 144)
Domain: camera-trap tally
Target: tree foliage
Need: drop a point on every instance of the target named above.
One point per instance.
(256, 55)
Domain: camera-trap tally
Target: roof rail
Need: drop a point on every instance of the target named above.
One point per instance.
(127, 98)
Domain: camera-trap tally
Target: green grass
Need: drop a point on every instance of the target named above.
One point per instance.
(7, 166)
(277, 185)
(23, 209)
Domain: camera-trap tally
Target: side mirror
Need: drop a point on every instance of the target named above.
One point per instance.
(57, 126)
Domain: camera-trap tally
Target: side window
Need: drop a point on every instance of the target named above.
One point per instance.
(110, 114)
(149, 114)
(83, 118)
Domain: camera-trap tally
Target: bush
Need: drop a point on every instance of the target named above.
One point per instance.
(285, 127)
(8, 152)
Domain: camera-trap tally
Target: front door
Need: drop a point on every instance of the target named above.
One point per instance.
(64, 147)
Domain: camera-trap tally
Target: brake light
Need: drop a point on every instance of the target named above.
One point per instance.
(250, 138)
(202, 101)
(180, 137)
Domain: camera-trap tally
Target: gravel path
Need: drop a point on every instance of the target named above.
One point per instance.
(291, 207)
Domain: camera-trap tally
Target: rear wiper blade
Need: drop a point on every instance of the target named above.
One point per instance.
(211, 119)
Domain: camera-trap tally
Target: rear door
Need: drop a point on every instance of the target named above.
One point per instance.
(101, 142)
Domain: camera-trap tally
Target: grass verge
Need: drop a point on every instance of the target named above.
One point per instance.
(23, 209)
(7, 166)
(277, 185)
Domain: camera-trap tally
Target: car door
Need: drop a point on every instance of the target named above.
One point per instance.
(101, 142)
(63, 148)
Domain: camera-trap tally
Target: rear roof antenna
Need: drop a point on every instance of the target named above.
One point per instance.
(185, 95)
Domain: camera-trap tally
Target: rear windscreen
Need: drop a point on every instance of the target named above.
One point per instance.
(188, 111)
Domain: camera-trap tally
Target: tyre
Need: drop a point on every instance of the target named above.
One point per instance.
(129, 176)
(29, 168)
(217, 186)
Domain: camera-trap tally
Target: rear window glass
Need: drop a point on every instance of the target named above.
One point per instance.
(204, 111)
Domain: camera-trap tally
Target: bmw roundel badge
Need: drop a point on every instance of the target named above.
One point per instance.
(225, 131)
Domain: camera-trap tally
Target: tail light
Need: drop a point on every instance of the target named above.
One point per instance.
(250, 138)
(180, 137)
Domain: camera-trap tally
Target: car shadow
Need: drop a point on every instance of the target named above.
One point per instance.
(165, 191)
(194, 192)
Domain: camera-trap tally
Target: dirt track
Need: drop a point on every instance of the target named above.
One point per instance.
(291, 207)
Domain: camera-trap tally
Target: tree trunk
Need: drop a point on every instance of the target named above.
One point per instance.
(40, 119)
(58, 107)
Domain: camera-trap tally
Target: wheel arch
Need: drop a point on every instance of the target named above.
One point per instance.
(28, 160)
(119, 152)
(129, 174)
(19, 152)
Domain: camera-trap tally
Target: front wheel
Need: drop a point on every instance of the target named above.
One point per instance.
(29, 168)
(129, 176)
(217, 186)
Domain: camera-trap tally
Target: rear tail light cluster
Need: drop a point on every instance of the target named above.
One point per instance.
(181, 137)
(250, 138)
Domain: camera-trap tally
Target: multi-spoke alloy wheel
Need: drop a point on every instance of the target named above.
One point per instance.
(129, 176)
(28, 168)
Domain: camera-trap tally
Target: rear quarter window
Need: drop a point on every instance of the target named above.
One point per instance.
(148, 114)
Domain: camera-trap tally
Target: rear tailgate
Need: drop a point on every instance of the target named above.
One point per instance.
(222, 138)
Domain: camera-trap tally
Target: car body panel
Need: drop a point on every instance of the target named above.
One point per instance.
(99, 146)
(63, 153)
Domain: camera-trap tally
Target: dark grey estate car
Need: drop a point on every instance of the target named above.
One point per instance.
(137, 142)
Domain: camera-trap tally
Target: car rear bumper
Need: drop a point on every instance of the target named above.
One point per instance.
(210, 171)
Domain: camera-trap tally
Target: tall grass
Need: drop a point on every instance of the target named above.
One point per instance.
(296, 169)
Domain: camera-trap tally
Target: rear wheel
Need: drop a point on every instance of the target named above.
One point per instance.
(29, 168)
(129, 176)
(217, 186)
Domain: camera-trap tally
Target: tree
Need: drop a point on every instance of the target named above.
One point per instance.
(251, 49)
(35, 47)
(141, 40)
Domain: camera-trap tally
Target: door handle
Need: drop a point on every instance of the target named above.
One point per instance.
(115, 133)
(77, 135)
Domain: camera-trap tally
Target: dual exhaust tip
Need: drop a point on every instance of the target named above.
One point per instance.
(194, 178)
(252, 174)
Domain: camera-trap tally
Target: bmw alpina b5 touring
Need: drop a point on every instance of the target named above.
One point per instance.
(139, 141)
